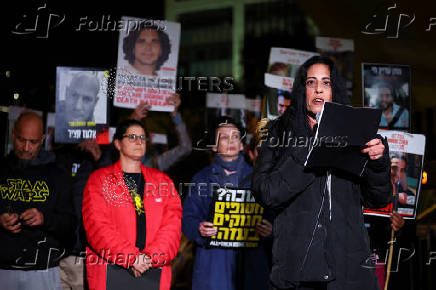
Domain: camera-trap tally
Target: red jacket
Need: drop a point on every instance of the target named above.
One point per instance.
(110, 223)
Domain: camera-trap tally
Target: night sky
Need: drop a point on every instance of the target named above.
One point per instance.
(32, 57)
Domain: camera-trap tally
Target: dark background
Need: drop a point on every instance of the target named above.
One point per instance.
(32, 64)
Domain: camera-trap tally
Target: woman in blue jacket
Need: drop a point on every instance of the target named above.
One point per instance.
(217, 268)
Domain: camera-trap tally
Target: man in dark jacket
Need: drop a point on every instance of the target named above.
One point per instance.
(35, 211)
(320, 241)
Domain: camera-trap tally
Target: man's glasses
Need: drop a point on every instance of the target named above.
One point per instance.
(133, 137)
(312, 83)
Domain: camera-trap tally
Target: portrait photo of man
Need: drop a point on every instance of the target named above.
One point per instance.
(283, 101)
(148, 52)
(81, 97)
(399, 180)
(146, 49)
(80, 102)
(387, 87)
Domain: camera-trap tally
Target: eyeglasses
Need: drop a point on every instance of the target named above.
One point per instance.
(134, 137)
(312, 83)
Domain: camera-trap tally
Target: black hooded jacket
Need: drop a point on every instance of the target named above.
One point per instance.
(42, 185)
(319, 232)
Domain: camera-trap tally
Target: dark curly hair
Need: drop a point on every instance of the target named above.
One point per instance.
(130, 41)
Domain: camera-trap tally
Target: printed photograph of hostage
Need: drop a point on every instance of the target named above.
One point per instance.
(399, 179)
(278, 102)
(81, 103)
(146, 49)
(406, 152)
(387, 88)
(147, 63)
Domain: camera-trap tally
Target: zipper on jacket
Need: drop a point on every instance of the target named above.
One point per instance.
(329, 190)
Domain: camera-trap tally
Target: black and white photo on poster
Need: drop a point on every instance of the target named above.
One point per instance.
(147, 63)
(81, 103)
(387, 87)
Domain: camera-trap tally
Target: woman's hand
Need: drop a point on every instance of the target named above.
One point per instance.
(142, 264)
(264, 228)
(207, 230)
(374, 148)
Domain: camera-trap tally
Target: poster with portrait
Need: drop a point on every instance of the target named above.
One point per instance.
(14, 113)
(283, 65)
(407, 158)
(148, 53)
(277, 102)
(81, 104)
(341, 51)
(387, 87)
(235, 214)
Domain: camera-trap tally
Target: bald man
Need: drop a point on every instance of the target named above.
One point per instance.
(28, 136)
(36, 216)
(81, 97)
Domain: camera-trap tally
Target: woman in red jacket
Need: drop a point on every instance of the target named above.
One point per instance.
(131, 213)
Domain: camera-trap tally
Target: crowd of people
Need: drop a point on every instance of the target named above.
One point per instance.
(90, 216)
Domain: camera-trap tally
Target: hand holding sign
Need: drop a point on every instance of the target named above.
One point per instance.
(207, 230)
(397, 221)
(264, 228)
(140, 111)
(175, 101)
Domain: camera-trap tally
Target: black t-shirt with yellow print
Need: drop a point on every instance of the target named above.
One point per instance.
(135, 182)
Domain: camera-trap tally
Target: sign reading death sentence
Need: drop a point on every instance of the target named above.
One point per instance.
(235, 214)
